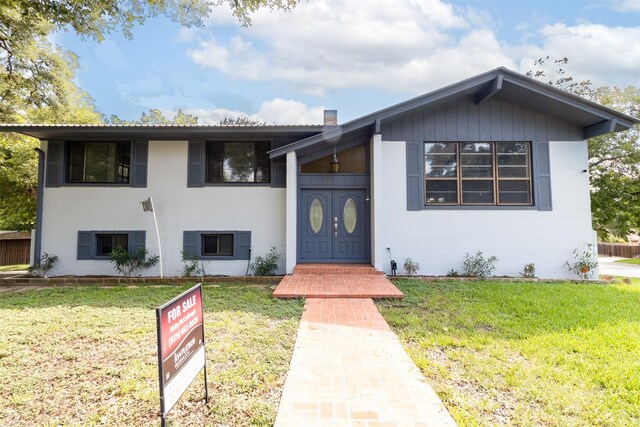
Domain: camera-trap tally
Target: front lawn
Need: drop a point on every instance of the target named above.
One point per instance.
(525, 354)
(87, 355)
(15, 267)
(635, 261)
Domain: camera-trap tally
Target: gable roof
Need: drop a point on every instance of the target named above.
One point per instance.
(500, 83)
(159, 132)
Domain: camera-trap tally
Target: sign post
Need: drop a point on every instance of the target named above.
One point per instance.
(181, 351)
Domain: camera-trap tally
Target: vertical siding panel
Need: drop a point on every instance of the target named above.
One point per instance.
(429, 125)
(529, 125)
(417, 133)
(552, 128)
(407, 128)
(385, 129)
(474, 121)
(396, 130)
(452, 122)
(563, 131)
(441, 124)
(518, 124)
(463, 120)
(541, 128)
(575, 133)
(496, 121)
(507, 122)
(484, 116)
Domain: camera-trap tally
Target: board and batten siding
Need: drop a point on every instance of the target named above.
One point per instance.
(493, 120)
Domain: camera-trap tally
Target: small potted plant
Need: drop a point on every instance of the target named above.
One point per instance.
(584, 263)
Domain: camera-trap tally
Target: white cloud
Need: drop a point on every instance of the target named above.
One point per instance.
(604, 55)
(411, 46)
(274, 111)
(627, 5)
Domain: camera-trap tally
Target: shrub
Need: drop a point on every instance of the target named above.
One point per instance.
(192, 266)
(127, 263)
(411, 267)
(267, 264)
(584, 263)
(479, 266)
(529, 271)
(453, 273)
(45, 264)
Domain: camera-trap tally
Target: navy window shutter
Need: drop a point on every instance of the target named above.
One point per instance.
(244, 245)
(140, 161)
(137, 240)
(84, 245)
(415, 176)
(55, 161)
(542, 175)
(190, 244)
(195, 167)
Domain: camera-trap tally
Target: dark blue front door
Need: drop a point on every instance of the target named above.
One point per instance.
(334, 226)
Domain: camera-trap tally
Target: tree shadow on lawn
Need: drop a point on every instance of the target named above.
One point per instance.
(509, 310)
(223, 297)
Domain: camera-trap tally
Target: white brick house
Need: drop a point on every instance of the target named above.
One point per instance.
(496, 163)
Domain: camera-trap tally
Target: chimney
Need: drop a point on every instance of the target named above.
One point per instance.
(330, 117)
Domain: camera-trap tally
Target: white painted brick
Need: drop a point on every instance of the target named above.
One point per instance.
(178, 208)
(439, 239)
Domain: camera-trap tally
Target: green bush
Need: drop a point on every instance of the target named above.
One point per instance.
(411, 267)
(193, 267)
(128, 264)
(267, 264)
(479, 266)
(45, 264)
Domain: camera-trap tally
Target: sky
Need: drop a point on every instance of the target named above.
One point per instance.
(355, 56)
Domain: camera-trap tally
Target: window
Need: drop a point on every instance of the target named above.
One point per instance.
(106, 243)
(98, 245)
(477, 173)
(99, 162)
(238, 162)
(217, 245)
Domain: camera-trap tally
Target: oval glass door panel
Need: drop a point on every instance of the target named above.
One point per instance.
(350, 215)
(316, 215)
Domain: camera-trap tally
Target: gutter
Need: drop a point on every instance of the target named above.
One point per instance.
(37, 244)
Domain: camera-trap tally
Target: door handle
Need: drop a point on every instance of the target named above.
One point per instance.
(335, 225)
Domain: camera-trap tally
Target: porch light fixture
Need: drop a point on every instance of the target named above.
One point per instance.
(335, 164)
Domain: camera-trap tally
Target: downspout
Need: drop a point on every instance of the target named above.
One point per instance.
(37, 244)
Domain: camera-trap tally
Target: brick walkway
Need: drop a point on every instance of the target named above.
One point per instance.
(349, 369)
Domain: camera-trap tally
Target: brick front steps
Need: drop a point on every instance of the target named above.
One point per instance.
(336, 281)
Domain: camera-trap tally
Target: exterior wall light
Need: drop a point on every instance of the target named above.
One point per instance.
(335, 164)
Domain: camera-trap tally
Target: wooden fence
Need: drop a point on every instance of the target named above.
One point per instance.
(618, 249)
(14, 251)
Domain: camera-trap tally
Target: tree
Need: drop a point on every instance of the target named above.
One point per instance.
(614, 159)
(227, 120)
(155, 117)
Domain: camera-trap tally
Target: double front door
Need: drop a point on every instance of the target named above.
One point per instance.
(334, 226)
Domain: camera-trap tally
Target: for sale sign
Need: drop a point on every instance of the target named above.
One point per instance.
(181, 352)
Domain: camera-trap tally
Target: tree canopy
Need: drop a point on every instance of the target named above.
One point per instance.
(614, 159)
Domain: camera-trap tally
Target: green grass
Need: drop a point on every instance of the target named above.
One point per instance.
(15, 267)
(88, 355)
(635, 261)
(525, 354)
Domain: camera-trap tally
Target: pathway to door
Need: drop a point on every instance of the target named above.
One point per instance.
(348, 368)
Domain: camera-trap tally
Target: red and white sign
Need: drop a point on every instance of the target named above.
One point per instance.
(181, 352)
